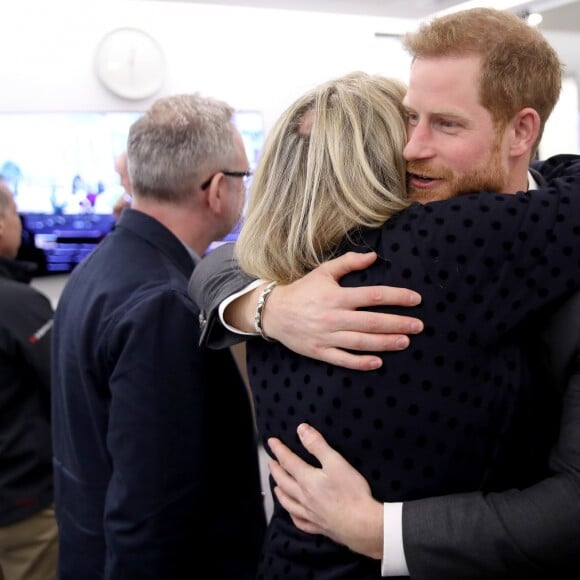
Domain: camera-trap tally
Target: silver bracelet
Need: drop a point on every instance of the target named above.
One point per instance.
(260, 310)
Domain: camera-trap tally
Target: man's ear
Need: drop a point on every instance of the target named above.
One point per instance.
(525, 128)
(215, 193)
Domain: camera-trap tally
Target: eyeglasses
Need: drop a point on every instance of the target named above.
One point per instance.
(244, 174)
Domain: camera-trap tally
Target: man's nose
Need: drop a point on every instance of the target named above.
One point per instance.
(419, 143)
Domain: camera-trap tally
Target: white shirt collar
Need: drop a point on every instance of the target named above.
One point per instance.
(532, 183)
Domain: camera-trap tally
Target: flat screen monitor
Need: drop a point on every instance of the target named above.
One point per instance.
(60, 167)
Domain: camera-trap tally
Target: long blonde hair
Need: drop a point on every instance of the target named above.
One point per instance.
(332, 163)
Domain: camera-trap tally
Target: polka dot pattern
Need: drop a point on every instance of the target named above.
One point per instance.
(437, 417)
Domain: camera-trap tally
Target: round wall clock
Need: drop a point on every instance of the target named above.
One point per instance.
(130, 63)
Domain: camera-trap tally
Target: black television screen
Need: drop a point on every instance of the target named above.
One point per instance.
(60, 167)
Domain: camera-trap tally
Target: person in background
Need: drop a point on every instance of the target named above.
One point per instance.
(124, 200)
(28, 530)
(524, 532)
(143, 487)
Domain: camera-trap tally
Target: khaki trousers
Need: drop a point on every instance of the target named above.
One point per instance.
(29, 549)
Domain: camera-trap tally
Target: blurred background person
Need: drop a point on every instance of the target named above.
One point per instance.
(28, 531)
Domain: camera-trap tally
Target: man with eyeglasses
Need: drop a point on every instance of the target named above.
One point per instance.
(138, 408)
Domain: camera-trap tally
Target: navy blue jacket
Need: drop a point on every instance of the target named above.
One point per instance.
(143, 488)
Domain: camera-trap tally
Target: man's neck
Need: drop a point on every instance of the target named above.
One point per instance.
(183, 221)
(518, 176)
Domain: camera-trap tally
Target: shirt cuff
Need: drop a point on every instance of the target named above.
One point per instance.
(225, 303)
(394, 562)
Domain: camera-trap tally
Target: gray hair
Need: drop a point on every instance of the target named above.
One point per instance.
(177, 144)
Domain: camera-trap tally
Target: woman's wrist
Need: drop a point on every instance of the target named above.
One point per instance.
(261, 309)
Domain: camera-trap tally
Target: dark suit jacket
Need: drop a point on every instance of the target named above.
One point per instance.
(144, 489)
(512, 534)
(515, 534)
(217, 277)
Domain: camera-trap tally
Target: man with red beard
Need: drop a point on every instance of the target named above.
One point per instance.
(481, 88)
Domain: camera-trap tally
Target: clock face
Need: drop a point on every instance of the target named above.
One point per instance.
(130, 63)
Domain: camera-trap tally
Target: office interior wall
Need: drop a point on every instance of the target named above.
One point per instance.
(256, 58)
(561, 134)
(253, 58)
(51, 286)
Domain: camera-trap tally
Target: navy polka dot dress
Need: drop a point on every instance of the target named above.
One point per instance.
(438, 417)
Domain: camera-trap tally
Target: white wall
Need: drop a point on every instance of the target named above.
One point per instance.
(253, 58)
(561, 134)
(51, 286)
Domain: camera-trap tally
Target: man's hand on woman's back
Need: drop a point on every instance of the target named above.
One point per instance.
(316, 317)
